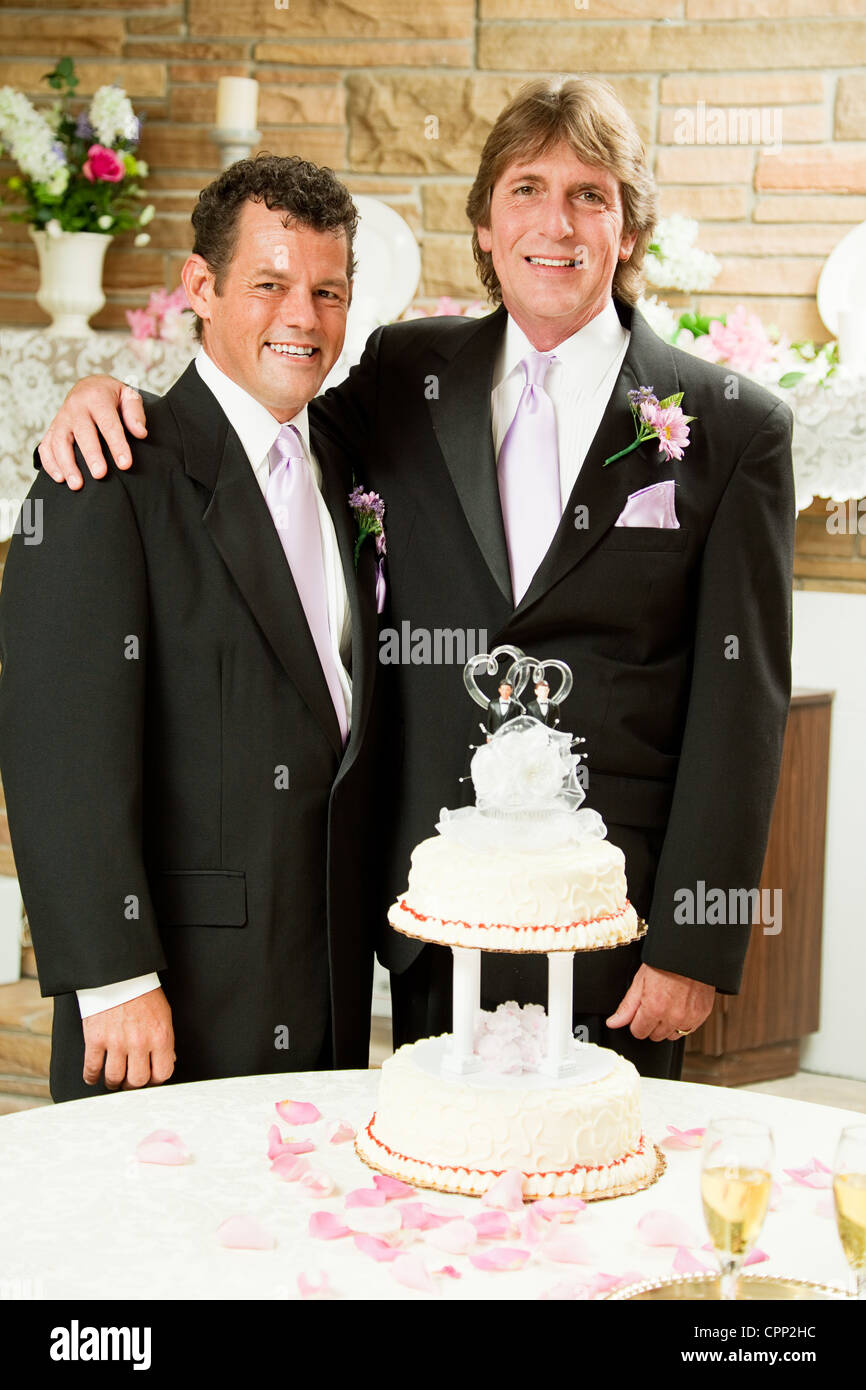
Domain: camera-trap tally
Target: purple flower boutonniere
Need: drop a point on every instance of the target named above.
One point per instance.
(655, 419)
(369, 512)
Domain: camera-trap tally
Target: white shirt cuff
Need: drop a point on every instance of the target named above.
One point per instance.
(96, 1001)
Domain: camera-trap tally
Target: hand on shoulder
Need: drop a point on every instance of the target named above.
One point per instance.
(92, 408)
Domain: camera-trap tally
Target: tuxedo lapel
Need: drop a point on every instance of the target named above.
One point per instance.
(361, 588)
(242, 529)
(600, 493)
(461, 418)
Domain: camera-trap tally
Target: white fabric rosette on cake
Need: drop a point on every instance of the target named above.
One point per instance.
(527, 793)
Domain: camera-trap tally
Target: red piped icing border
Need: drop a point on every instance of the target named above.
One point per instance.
(506, 926)
(638, 1152)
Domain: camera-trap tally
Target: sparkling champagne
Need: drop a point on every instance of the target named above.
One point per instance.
(849, 1191)
(735, 1204)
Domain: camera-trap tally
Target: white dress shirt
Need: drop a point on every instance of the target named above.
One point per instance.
(257, 431)
(580, 383)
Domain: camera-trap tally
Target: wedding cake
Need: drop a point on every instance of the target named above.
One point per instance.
(524, 869)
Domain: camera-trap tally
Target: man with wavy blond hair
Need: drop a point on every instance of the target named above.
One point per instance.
(661, 575)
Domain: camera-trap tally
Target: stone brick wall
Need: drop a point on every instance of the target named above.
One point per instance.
(398, 98)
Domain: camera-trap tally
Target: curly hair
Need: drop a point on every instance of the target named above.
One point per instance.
(309, 195)
(586, 114)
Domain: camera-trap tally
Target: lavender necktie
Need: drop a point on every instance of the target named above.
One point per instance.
(291, 498)
(528, 471)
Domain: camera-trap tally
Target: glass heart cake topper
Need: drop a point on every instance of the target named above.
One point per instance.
(527, 778)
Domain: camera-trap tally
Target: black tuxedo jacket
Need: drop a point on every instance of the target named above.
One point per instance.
(679, 640)
(547, 717)
(186, 806)
(495, 717)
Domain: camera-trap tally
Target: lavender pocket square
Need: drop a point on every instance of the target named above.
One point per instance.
(652, 506)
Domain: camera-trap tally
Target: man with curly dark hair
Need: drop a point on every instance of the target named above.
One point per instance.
(190, 837)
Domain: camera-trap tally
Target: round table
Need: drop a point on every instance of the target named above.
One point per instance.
(83, 1218)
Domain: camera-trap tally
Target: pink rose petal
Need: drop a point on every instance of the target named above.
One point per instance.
(566, 1208)
(683, 1138)
(506, 1193)
(450, 1271)
(320, 1289)
(373, 1221)
(244, 1233)
(566, 1248)
(455, 1237)
(365, 1197)
(324, 1225)
(412, 1272)
(168, 1154)
(686, 1263)
(756, 1257)
(499, 1259)
(812, 1174)
(533, 1228)
(165, 1136)
(340, 1133)
(275, 1142)
(825, 1206)
(393, 1187)
(290, 1167)
(298, 1112)
(491, 1225)
(379, 1249)
(317, 1183)
(665, 1228)
(417, 1216)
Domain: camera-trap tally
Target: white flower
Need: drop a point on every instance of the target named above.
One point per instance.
(520, 767)
(660, 317)
(29, 138)
(680, 265)
(104, 222)
(142, 239)
(112, 116)
(53, 228)
(146, 215)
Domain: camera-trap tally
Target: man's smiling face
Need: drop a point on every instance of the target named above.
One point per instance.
(556, 236)
(277, 325)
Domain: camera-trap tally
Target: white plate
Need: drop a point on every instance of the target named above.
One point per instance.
(842, 284)
(388, 260)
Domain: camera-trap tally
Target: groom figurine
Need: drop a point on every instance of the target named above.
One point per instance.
(503, 708)
(663, 578)
(189, 828)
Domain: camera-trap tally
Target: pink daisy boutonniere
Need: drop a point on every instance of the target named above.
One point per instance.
(655, 419)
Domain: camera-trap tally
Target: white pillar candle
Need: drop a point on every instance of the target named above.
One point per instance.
(237, 103)
(467, 1001)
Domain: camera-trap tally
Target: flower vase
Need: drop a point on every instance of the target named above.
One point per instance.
(70, 288)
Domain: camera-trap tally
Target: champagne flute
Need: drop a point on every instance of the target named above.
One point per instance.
(849, 1194)
(736, 1175)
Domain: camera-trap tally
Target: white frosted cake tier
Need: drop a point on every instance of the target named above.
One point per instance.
(460, 1133)
(571, 898)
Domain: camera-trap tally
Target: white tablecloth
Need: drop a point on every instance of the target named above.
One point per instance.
(80, 1217)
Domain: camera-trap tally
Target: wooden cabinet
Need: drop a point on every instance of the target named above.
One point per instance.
(755, 1035)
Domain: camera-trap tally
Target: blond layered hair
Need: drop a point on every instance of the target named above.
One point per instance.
(586, 114)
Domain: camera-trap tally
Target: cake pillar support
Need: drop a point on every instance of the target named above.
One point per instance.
(467, 1002)
(559, 1059)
